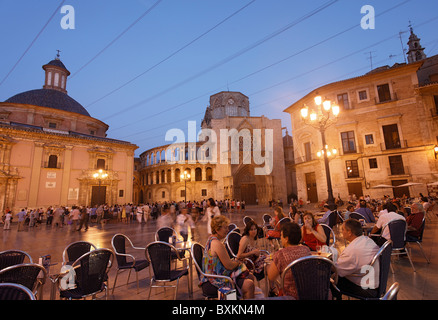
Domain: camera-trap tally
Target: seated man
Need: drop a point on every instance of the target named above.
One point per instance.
(365, 211)
(415, 222)
(387, 215)
(325, 218)
(358, 254)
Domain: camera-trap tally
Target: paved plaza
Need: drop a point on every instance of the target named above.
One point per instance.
(43, 240)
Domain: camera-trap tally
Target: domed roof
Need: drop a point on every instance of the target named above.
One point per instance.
(49, 98)
(57, 63)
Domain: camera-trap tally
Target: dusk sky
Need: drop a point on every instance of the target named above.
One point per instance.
(146, 66)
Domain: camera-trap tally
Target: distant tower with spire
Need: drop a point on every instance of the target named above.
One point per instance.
(416, 52)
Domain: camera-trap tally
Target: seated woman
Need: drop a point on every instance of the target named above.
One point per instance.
(248, 249)
(275, 233)
(217, 261)
(292, 250)
(312, 233)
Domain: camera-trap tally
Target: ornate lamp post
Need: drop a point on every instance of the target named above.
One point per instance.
(185, 176)
(325, 115)
(99, 176)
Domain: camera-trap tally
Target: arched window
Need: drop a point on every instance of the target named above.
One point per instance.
(177, 175)
(209, 174)
(198, 174)
(157, 177)
(53, 161)
(169, 176)
(163, 176)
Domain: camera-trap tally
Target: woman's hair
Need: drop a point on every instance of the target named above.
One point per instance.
(350, 206)
(218, 222)
(310, 214)
(292, 232)
(212, 202)
(280, 212)
(248, 227)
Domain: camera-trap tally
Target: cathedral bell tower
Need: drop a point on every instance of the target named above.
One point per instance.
(416, 52)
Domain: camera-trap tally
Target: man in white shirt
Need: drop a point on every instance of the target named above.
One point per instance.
(387, 215)
(355, 260)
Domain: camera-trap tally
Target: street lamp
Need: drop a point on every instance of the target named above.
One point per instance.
(100, 175)
(185, 176)
(321, 118)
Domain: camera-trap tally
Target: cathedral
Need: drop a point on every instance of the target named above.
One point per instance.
(242, 158)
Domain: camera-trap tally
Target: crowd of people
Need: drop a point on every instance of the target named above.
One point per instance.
(303, 233)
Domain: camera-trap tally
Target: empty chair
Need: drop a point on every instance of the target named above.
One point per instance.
(383, 259)
(392, 292)
(159, 255)
(14, 291)
(118, 243)
(329, 234)
(12, 257)
(197, 253)
(26, 274)
(163, 234)
(90, 271)
(76, 250)
(312, 276)
(397, 231)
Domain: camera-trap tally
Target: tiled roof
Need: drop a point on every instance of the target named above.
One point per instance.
(49, 98)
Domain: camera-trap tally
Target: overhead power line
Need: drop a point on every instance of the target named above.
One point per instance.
(226, 60)
(33, 42)
(117, 38)
(149, 116)
(172, 54)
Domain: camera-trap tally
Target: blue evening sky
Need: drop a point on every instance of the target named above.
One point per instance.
(147, 66)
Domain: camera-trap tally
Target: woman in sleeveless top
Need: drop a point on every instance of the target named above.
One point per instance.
(217, 261)
(312, 233)
(248, 249)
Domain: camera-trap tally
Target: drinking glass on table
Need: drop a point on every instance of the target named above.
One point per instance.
(318, 249)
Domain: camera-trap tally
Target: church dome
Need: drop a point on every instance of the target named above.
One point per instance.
(54, 93)
(49, 98)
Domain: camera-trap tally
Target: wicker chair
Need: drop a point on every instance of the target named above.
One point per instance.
(12, 257)
(14, 291)
(118, 243)
(91, 271)
(160, 255)
(26, 274)
(76, 250)
(312, 276)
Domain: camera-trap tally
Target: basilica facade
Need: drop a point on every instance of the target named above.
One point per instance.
(52, 152)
